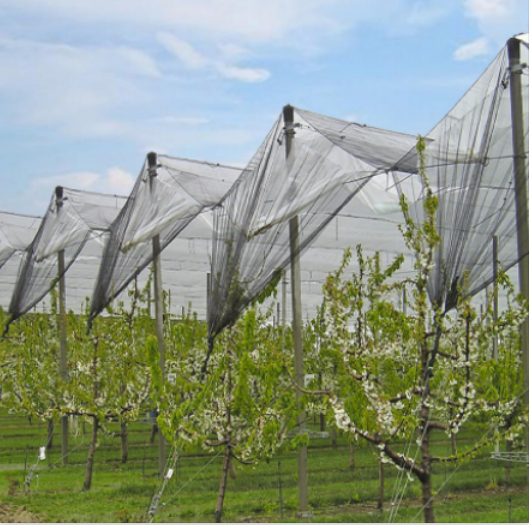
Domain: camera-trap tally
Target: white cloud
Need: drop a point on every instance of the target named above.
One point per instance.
(423, 14)
(190, 58)
(252, 20)
(82, 180)
(115, 181)
(498, 20)
(183, 51)
(484, 9)
(233, 52)
(119, 181)
(243, 74)
(474, 49)
(72, 89)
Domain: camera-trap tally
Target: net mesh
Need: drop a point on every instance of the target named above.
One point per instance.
(342, 180)
(470, 167)
(468, 164)
(16, 234)
(166, 197)
(75, 223)
(317, 179)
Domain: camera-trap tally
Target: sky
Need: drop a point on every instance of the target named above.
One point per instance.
(89, 87)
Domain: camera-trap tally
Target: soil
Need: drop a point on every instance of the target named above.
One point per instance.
(18, 514)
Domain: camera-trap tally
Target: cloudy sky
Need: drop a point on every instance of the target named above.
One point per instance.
(88, 87)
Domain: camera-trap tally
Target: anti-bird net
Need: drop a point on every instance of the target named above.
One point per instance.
(329, 163)
(16, 234)
(469, 165)
(167, 196)
(75, 223)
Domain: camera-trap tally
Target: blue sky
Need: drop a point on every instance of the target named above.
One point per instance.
(88, 87)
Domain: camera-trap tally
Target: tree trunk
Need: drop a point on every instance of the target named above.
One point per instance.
(223, 484)
(91, 452)
(49, 443)
(124, 442)
(380, 505)
(322, 422)
(427, 500)
(454, 447)
(352, 450)
(154, 431)
(233, 473)
(508, 448)
(334, 437)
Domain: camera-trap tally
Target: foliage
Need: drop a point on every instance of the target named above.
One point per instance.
(245, 401)
(406, 374)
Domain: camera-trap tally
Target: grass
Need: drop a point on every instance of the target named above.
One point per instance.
(472, 492)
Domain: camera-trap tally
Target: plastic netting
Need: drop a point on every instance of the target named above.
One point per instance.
(470, 167)
(320, 176)
(166, 197)
(343, 181)
(75, 223)
(469, 164)
(16, 234)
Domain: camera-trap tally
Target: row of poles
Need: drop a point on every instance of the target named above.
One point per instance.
(520, 175)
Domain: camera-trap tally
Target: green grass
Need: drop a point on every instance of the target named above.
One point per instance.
(121, 492)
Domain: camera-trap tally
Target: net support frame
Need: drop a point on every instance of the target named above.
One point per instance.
(297, 325)
(158, 313)
(63, 364)
(522, 226)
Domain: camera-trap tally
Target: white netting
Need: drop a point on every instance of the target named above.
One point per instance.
(343, 180)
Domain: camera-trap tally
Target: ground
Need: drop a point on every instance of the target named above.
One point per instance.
(471, 492)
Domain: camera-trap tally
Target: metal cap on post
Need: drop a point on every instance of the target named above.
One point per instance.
(297, 327)
(59, 196)
(152, 163)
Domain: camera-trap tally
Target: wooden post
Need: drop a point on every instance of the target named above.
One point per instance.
(284, 299)
(520, 187)
(495, 293)
(495, 306)
(297, 327)
(63, 367)
(158, 308)
(208, 294)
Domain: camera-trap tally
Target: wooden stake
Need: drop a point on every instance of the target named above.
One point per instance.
(62, 322)
(158, 308)
(520, 187)
(297, 326)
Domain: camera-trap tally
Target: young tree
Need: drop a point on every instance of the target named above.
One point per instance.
(243, 404)
(410, 373)
(108, 377)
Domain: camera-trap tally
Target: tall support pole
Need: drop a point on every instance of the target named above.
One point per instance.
(63, 366)
(495, 293)
(208, 294)
(158, 308)
(522, 227)
(495, 310)
(284, 299)
(295, 276)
